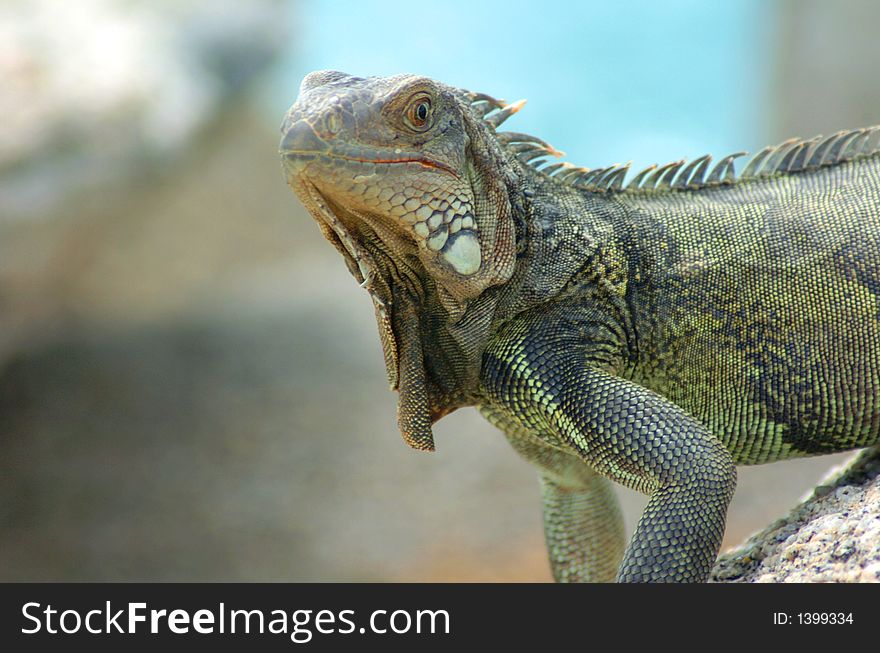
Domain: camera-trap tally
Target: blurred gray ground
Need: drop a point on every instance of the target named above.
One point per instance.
(192, 388)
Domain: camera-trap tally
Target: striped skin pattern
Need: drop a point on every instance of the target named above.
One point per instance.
(653, 333)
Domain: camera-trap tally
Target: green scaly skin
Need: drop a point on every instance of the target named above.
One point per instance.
(653, 335)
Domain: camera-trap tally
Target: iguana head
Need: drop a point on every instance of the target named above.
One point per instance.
(402, 164)
(406, 178)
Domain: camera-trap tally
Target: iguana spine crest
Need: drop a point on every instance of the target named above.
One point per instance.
(792, 156)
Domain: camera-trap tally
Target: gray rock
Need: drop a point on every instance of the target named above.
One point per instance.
(832, 536)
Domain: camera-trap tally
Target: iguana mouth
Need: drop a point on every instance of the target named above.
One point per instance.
(301, 143)
(423, 161)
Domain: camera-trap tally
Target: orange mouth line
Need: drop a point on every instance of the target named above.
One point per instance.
(428, 163)
(422, 161)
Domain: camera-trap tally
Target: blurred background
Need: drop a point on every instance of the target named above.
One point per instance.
(191, 384)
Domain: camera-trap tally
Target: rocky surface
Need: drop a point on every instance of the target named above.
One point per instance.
(832, 536)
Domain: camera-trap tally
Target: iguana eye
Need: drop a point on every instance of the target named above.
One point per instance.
(419, 112)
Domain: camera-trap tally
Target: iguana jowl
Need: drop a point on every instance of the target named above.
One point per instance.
(655, 333)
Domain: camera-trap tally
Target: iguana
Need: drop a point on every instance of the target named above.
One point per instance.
(654, 333)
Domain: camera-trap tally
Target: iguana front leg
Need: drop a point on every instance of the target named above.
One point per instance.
(550, 382)
(583, 525)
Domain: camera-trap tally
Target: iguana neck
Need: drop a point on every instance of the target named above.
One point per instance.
(566, 240)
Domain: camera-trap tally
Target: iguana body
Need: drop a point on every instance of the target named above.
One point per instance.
(655, 334)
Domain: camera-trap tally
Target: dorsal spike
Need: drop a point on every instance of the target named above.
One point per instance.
(818, 156)
(753, 168)
(771, 166)
(594, 180)
(717, 171)
(832, 156)
(799, 162)
(553, 168)
(785, 165)
(589, 177)
(482, 107)
(640, 177)
(519, 143)
(683, 178)
(518, 137)
(858, 146)
(572, 173)
(871, 149)
(614, 181)
(730, 172)
(665, 181)
(519, 148)
(473, 98)
(494, 120)
(840, 151)
(539, 162)
(526, 156)
(724, 170)
(699, 176)
(791, 156)
(654, 177)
